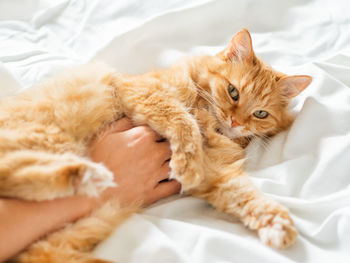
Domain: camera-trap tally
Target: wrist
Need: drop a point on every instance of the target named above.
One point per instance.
(83, 205)
(89, 203)
(64, 210)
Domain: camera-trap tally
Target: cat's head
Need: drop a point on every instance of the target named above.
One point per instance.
(249, 97)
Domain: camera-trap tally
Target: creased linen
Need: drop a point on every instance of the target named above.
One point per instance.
(306, 168)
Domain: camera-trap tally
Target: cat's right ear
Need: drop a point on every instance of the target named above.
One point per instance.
(240, 48)
(291, 86)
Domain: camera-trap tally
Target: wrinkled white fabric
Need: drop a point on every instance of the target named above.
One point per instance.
(306, 168)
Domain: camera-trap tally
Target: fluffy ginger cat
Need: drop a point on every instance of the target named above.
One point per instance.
(206, 106)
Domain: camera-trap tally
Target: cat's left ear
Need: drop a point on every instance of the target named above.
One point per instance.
(292, 85)
(240, 47)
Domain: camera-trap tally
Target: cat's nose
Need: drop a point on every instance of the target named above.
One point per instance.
(235, 124)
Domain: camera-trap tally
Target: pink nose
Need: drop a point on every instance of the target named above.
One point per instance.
(235, 124)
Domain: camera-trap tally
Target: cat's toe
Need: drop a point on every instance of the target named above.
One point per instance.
(191, 181)
(280, 233)
(191, 178)
(95, 179)
(187, 170)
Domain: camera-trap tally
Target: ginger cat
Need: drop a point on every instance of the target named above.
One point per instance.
(206, 106)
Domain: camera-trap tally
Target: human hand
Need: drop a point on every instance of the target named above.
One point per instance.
(139, 160)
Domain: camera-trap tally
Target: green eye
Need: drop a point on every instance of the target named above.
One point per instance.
(261, 114)
(233, 92)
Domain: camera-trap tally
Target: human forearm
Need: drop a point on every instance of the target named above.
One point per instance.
(139, 159)
(23, 222)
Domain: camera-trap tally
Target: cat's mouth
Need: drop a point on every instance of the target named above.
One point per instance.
(226, 129)
(233, 132)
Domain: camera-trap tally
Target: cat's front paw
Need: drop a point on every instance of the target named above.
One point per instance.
(95, 178)
(279, 233)
(188, 170)
(189, 180)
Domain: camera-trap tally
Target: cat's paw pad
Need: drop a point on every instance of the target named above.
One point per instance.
(280, 233)
(95, 179)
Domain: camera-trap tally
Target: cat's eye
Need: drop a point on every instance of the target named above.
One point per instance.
(261, 114)
(233, 92)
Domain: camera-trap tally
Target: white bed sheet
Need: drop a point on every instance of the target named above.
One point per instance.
(306, 168)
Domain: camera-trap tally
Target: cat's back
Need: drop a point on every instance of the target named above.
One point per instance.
(173, 84)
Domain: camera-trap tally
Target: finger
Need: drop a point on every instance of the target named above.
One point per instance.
(164, 172)
(166, 189)
(144, 132)
(164, 151)
(156, 136)
(162, 139)
(115, 127)
(120, 125)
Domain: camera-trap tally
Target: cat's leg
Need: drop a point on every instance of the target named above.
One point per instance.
(232, 192)
(172, 121)
(74, 243)
(35, 175)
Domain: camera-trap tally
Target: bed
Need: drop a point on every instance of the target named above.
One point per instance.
(306, 168)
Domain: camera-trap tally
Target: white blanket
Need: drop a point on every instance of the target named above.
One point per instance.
(306, 168)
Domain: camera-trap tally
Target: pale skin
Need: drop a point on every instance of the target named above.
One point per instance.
(137, 156)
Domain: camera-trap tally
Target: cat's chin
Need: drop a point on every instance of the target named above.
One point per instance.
(232, 133)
